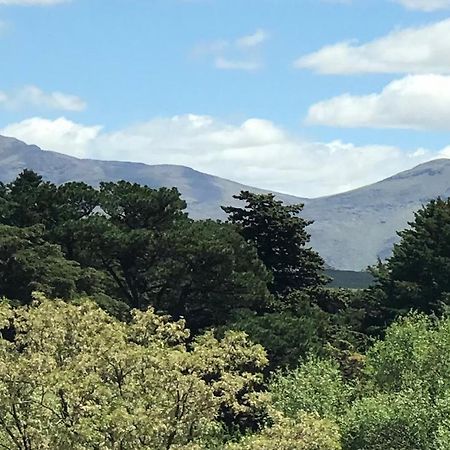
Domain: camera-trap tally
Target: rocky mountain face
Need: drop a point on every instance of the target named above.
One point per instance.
(351, 230)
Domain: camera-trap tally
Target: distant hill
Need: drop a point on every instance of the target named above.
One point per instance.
(349, 279)
(351, 230)
(203, 193)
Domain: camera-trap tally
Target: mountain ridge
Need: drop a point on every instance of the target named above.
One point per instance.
(350, 230)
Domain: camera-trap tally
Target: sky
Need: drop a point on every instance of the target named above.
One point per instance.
(307, 97)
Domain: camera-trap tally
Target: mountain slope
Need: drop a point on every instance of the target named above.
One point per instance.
(351, 230)
(203, 193)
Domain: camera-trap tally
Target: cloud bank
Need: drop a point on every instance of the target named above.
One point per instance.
(411, 50)
(420, 102)
(32, 96)
(255, 152)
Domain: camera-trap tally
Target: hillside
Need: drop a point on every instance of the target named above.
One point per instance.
(351, 230)
(203, 193)
(355, 228)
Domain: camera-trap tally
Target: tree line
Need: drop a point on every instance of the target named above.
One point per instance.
(126, 325)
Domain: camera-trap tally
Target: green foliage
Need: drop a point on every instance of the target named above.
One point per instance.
(281, 239)
(416, 349)
(29, 263)
(401, 401)
(398, 421)
(306, 432)
(28, 201)
(126, 244)
(119, 374)
(416, 276)
(295, 329)
(197, 270)
(73, 377)
(317, 386)
(135, 207)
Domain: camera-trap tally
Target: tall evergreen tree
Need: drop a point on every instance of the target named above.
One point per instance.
(417, 276)
(281, 239)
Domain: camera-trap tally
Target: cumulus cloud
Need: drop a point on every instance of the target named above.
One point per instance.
(32, 2)
(242, 53)
(256, 152)
(61, 135)
(425, 5)
(411, 50)
(415, 102)
(32, 96)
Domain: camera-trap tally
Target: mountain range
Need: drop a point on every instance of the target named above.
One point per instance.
(350, 230)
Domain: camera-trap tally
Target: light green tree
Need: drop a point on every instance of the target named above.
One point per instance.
(306, 432)
(72, 377)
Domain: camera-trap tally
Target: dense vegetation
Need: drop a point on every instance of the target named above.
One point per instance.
(127, 325)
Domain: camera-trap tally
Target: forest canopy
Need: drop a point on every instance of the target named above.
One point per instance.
(125, 324)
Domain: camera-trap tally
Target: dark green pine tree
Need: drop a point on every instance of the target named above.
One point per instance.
(417, 276)
(28, 201)
(281, 239)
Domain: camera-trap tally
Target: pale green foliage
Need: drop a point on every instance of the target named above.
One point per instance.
(407, 399)
(402, 400)
(306, 432)
(316, 386)
(399, 421)
(75, 378)
(416, 349)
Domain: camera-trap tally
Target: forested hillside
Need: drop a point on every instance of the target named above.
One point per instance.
(128, 325)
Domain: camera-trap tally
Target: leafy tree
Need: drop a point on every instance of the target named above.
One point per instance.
(401, 402)
(29, 201)
(75, 201)
(306, 432)
(416, 276)
(125, 238)
(197, 270)
(216, 273)
(29, 263)
(139, 207)
(280, 237)
(316, 387)
(289, 334)
(406, 401)
(73, 377)
(398, 421)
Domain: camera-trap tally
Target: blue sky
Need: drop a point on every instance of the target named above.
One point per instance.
(239, 88)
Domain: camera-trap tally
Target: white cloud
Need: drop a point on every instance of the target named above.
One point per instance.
(253, 40)
(411, 50)
(415, 102)
(32, 96)
(256, 152)
(242, 53)
(61, 134)
(425, 5)
(32, 2)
